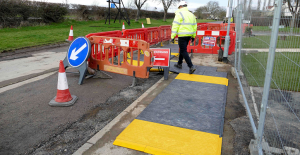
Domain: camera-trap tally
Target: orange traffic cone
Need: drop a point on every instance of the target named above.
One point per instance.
(123, 27)
(143, 25)
(71, 34)
(63, 97)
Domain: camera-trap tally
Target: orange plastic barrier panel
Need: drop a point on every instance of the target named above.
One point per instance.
(165, 33)
(120, 64)
(108, 34)
(217, 37)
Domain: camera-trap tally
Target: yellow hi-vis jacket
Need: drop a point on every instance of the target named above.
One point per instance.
(184, 24)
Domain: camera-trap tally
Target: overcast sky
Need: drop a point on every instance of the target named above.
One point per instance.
(192, 4)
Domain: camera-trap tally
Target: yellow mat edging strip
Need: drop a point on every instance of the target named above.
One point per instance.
(161, 139)
(176, 54)
(202, 78)
(129, 145)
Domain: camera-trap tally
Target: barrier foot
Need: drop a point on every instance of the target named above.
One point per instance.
(102, 75)
(225, 60)
(134, 80)
(166, 72)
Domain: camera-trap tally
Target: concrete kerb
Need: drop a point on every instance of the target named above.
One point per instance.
(109, 126)
(31, 49)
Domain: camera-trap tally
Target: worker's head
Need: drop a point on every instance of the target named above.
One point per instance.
(181, 4)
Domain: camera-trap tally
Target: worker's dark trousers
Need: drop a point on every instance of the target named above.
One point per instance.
(183, 42)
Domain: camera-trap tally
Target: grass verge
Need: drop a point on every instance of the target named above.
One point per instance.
(16, 38)
(286, 71)
(264, 41)
(267, 28)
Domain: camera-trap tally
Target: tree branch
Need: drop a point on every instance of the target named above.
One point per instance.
(144, 2)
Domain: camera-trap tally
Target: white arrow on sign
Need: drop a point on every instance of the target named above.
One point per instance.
(159, 58)
(75, 53)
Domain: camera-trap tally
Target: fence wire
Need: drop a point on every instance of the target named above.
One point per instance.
(282, 122)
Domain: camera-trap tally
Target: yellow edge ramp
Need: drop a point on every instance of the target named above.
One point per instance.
(176, 54)
(160, 139)
(129, 145)
(202, 78)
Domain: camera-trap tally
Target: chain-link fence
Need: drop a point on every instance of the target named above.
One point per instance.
(267, 62)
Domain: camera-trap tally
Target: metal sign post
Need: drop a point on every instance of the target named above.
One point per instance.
(112, 4)
(78, 53)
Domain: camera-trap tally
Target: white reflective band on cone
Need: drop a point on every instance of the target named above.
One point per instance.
(215, 33)
(62, 83)
(71, 33)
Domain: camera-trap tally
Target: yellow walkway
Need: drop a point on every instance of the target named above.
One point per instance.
(161, 139)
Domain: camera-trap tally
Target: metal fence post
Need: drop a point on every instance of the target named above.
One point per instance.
(237, 38)
(268, 77)
(227, 38)
(240, 36)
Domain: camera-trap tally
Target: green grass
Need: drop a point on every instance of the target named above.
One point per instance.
(266, 28)
(16, 38)
(264, 41)
(286, 71)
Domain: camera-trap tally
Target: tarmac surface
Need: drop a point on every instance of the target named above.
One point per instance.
(30, 126)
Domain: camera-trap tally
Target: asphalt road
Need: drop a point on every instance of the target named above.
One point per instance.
(28, 124)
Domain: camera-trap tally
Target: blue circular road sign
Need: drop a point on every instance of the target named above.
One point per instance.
(79, 51)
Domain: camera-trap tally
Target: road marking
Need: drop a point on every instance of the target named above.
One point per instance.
(26, 82)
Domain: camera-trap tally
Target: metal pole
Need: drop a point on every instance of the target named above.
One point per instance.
(237, 38)
(120, 12)
(271, 57)
(109, 12)
(240, 36)
(227, 38)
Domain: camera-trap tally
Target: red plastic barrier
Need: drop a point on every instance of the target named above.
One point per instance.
(135, 34)
(219, 37)
(219, 26)
(152, 34)
(246, 25)
(108, 34)
(202, 26)
(214, 26)
(232, 26)
(165, 32)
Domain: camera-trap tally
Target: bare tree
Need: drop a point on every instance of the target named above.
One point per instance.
(264, 6)
(250, 4)
(245, 4)
(167, 4)
(213, 7)
(146, 6)
(269, 3)
(222, 13)
(130, 4)
(139, 4)
(201, 12)
(258, 4)
(294, 9)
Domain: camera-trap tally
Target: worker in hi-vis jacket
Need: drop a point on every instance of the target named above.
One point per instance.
(185, 26)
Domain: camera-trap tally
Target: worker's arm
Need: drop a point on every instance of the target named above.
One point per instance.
(175, 25)
(194, 28)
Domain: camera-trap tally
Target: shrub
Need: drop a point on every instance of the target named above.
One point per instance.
(52, 12)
